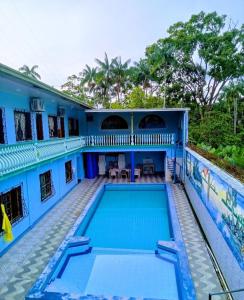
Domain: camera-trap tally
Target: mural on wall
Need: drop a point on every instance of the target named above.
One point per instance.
(225, 204)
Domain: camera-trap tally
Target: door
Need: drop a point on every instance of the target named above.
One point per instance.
(62, 133)
(39, 127)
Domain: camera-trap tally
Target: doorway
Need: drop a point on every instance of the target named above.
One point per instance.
(39, 127)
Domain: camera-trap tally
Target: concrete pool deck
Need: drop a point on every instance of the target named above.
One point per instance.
(23, 263)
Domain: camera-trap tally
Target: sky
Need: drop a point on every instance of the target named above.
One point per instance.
(62, 36)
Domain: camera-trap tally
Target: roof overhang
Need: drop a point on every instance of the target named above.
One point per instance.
(12, 74)
(137, 110)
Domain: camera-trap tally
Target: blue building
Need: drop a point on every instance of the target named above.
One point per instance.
(50, 141)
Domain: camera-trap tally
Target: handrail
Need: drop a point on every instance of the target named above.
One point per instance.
(224, 293)
(130, 139)
(14, 157)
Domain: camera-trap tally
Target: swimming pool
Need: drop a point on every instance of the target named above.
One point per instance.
(127, 243)
(134, 218)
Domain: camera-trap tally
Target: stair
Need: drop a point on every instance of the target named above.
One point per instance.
(170, 169)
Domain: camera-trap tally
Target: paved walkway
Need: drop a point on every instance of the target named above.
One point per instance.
(23, 263)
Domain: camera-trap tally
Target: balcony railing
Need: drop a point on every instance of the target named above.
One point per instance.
(135, 139)
(23, 155)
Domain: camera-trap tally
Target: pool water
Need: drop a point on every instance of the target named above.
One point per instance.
(131, 219)
(124, 224)
(140, 275)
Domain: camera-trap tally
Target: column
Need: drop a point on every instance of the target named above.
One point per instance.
(132, 161)
(90, 170)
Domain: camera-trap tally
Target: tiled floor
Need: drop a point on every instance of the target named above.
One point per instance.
(22, 264)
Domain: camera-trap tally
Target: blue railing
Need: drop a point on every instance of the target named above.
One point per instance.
(22, 155)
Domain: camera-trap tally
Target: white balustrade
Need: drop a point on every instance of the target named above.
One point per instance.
(126, 139)
(108, 140)
(24, 154)
(154, 139)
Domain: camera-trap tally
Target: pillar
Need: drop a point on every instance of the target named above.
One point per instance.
(132, 161)
(91, 163)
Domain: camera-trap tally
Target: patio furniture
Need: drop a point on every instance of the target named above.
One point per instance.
(113, 173)
(137, 172)
(148, 166)
(124, 173)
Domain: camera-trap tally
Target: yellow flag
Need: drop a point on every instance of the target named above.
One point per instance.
(6, 226)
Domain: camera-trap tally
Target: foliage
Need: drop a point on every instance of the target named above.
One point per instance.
(233, 167)
(215, 129)
(30, 72)
(232, 154)
(200, 64)
(198, 57)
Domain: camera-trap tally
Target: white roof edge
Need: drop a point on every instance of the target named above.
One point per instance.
(136, 110)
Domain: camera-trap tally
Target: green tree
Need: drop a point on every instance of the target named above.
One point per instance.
(120, 77)
(136, 98)
(104, 79)
(204, 56)
(30, 72)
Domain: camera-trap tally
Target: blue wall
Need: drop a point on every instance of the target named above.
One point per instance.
(34, 208)
(173, 122)
(218, 200)
(11, 101)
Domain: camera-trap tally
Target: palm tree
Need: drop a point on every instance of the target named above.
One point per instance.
(89, 77)
(30, 72)
(142, 75)
(104, 78)
(120, 75)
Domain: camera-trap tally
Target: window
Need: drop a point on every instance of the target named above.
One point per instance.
(61, 130)
(22, 126)
(13, 205)
(151, 122)
(73, 127)
(39, 127)
(2, 141)
(114, 122)
(68, 171)
(53, 126)
(46, 185)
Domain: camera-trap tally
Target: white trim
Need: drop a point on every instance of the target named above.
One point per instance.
(135, 110)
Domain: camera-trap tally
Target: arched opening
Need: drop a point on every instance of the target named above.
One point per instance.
(151, 122)
(114, 122)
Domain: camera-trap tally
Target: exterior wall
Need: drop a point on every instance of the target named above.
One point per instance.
(33, 207)
(11, 101)
(218, 200)
(173, 122)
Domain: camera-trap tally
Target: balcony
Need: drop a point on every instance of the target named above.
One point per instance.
(19, 156)
(152, 139)
(25, 155)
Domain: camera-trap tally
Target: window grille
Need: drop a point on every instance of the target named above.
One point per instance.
(53, 126)
(23, 128)
(68, 171)
(12, 202)
(46, 185)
